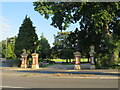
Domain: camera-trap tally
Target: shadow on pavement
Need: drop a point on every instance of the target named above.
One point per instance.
(71, 72)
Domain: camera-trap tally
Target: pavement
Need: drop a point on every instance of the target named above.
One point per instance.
(57, 77)
(52, 72)
(39, 80)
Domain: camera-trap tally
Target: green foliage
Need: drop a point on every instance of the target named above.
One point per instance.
(60, 14)
(116, 28)
(10, 51)
(8, 48)
(3, 50)
(26, 37)
(71, 12)
(29, 61)
(43, 47)
(62, 47)
(99, 26)
(105, 61)
(114, 67)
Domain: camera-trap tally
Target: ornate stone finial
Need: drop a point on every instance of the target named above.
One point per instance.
(77, 53)
(24, 51)
(92, 48)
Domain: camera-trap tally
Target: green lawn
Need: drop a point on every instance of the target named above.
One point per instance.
(64, 60)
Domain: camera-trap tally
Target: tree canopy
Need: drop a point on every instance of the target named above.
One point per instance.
(8, 47)
(26, 38)
(86, 13)
(43, 47)
(62, 47)
(98, 23)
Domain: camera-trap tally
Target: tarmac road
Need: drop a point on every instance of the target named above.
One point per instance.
(12, 80)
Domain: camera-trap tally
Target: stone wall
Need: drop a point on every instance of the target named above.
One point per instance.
(10, 63)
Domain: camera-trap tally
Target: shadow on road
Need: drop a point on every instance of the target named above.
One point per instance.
(71, 72)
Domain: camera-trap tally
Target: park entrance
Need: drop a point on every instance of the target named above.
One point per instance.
(78, 64)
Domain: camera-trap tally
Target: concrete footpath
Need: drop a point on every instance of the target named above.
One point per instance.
(59, 73)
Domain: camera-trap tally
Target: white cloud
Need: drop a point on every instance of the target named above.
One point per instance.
(4, 24)
(4, 19)
(4, 27)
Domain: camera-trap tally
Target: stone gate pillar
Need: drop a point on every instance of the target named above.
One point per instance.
(92, 52)
(77, 61)
(24, 59)
(35, 60)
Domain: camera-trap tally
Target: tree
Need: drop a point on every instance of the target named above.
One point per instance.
(99, 14)
(10, 51)
(90, 15)
(3, 52)
(8, 48)
(43, 47)
(95, 19)
(116, 35)
(26, 38)
(62, 47)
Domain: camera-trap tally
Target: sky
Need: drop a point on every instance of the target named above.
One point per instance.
(13, 14)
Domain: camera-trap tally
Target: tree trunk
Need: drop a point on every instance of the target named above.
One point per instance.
(66, 60)
(69, 60)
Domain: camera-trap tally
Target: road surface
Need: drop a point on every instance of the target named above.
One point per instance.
(12, 80)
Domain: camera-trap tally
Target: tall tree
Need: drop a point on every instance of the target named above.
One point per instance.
(27, 37)
(62, 47)
(43, 47)
(95, 19)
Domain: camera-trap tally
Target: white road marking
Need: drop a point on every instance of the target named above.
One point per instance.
(12, 87)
